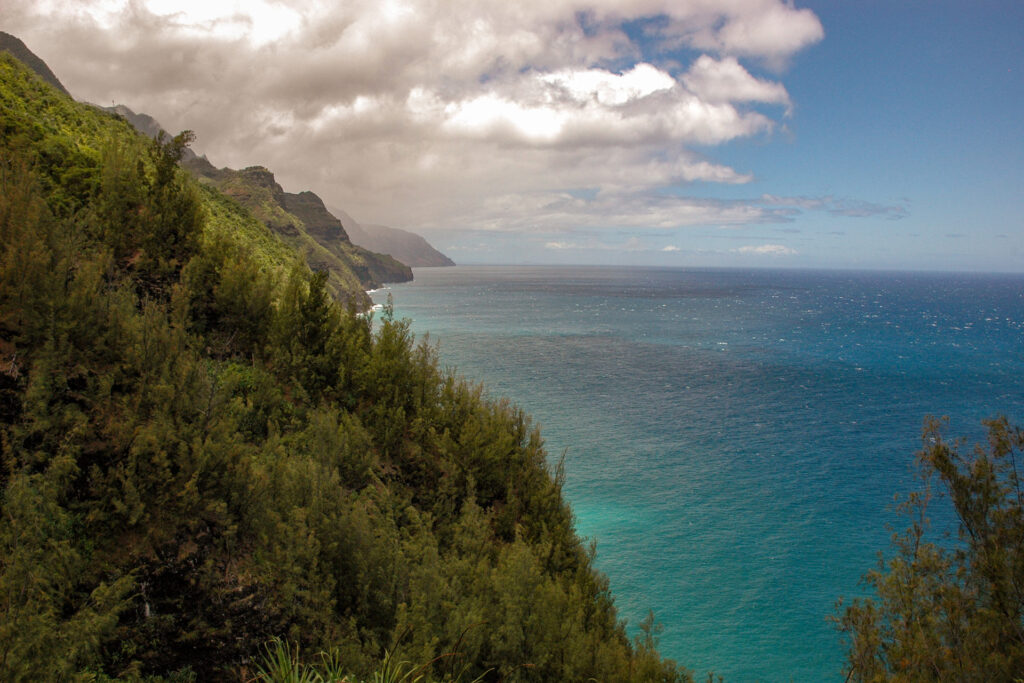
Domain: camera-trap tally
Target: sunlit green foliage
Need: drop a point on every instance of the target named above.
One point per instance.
(954, 612)
(283, 663)
(227, 219)
(303, 223)
(202, 451)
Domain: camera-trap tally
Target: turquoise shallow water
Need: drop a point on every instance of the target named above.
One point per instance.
(733, 439)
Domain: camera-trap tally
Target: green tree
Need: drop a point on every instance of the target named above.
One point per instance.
(305, 335)
(195, 460)
(51, 622)
(230, 299)
(147, 211)
(174, 211)
(950, 613)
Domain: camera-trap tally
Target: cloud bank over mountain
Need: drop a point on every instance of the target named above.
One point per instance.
(539, 115)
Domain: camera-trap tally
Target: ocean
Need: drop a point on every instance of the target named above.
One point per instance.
(733, 439)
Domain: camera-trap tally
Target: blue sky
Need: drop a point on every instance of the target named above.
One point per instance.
(686, 132)
(913, 104)
(912, 110)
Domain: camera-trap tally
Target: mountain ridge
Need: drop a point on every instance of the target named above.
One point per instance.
(205, 456)
(20, 51)
(303, 222)
(300, 219)
(404, 245)
(351, 269)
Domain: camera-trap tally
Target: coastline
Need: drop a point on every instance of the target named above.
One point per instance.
(797, 404)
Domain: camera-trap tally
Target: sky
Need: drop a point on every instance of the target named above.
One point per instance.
(737, 133)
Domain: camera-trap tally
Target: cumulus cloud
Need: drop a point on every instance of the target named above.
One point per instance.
(726, 81)
(464, 114)
(772, 31)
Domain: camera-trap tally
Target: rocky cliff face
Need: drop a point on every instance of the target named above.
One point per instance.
(407, 247)
(319, 221)
(301, 220)
(256, 188)
(304, 223)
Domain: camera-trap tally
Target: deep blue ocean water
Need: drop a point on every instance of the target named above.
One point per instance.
(733, 439)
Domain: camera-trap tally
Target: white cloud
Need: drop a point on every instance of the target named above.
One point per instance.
(259, 21)
(670, 247)
(632, 244)
(609, 111)
(456, 115)
(852, 208)
(767, 250)
(770, 30)
(727, 81)
(608, 88)
(548, 213)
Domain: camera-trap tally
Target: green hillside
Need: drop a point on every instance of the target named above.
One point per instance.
(300, 220)
(303, 223)
(21, 52)
(201, 451)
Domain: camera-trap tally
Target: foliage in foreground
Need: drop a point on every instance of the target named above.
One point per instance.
(198, 454)
(282, 663)
(957, 613)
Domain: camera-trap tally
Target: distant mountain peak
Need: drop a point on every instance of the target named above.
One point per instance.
(262, 176)
(20, 51)
(407, 247)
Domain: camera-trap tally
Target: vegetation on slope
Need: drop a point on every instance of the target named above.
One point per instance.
(21, 52)
(201, 451)
(373, 269)
(950, 613)
(304, 224)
